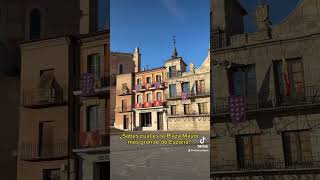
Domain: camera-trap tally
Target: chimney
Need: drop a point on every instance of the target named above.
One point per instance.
(88, 16)
(137, 59)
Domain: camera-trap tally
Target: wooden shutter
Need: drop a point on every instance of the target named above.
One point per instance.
(305, 145)
(291, 147)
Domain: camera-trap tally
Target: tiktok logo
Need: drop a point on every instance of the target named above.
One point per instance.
(202, 140)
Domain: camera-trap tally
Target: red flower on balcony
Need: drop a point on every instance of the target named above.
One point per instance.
(137, 105)
(158, 103)
(83, 139)
(95, 137)
(147, 104)
(147, 86)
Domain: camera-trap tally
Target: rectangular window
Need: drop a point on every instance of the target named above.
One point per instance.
(187, 109)
(46, 138)
(159, 96)
(244, 81)
(200, 87)
(95, 65)
(124, 88)
(173, 90)
(158, 78)
(203, 108)
(295, 75)
(185, 87)
(149, 98)
(148, 80)
(145, 119)
(173, 110)
(250, 150)
(219, 39)
(139, 81)
(51, 174)
(172, 71)
(124, 105)
(92, 118)
(120, 69)
(101, 170)
(139, 99)
(297, 147)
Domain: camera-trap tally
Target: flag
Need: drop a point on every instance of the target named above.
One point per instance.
(237, 108)
(285, 75)
(184, 96)
(157, 85)
(87, 84)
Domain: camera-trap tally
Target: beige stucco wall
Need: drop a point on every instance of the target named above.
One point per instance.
(35, 56)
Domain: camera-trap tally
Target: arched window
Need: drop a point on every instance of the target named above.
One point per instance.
(35, 24)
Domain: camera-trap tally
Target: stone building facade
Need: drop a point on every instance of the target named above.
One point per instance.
(121, 63)
(265, 106)
(124, 102)
(187, 95)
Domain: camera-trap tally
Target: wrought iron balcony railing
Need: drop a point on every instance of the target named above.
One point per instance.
(150, 104)
(124, 92)
(148, 86)
(187, 95)
(193, 113)
(123, 109)
(174, 74)
(37, 98)
(269, 101)
(34, 152)
(93, 140)
(263, 163)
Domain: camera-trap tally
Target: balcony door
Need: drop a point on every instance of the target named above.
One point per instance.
(101, 170)
(46, 139)
(296, 81)
(95, 66)
(160, 120)
(250, 152)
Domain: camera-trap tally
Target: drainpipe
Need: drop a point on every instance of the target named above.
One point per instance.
(73, 102)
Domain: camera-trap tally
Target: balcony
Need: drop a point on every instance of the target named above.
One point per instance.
(270, 102)
(189, 114)
(91, 84)
(36, 152)
(93, 140)
(123, 109)
(263, 164)
(174, 74)
(124, 92)
(188, 95)
(149, 87)
(153, 104)
(39, 98)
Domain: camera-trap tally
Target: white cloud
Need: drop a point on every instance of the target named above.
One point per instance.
(174, 9)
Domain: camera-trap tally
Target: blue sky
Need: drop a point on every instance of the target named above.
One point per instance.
(279, 9)
(150, 24)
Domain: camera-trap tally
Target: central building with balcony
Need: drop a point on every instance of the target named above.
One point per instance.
(149, 101)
